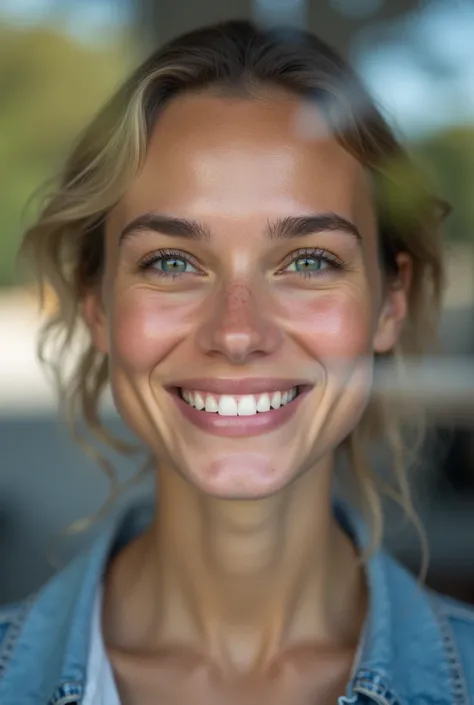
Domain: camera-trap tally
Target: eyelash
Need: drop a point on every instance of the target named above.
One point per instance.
(149, 260)
(328, 257)
(315, 253)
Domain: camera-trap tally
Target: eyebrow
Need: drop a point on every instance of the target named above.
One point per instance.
(166, 225)
(279, 229)
(297, 226)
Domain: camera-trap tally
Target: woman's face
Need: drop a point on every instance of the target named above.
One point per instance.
(242, 275)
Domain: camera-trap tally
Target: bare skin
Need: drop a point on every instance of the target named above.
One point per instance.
(244, 589)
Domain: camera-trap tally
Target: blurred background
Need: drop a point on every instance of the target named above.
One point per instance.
(58, 62)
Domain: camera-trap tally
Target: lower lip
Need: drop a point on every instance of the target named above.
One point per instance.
(235, 426)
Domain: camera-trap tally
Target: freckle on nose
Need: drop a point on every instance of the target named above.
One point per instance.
(237, 298)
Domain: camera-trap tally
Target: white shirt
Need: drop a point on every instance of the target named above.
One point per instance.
(100, 685)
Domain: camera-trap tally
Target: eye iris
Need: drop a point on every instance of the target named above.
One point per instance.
(172, 264)
(308, 263)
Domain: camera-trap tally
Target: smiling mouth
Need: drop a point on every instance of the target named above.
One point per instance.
(238, 405)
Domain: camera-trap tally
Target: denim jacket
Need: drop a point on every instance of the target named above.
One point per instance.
(416, 648)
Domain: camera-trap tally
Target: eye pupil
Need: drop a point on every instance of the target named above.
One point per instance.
(173, 264)
(312, 263)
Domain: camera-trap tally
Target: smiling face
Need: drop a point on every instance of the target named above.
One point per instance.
(242, 275)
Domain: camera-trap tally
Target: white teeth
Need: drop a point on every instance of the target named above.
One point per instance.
(263, 403)
(276, 400)
(245, 405)
(211, 404)
(227, 406)
(198, 401)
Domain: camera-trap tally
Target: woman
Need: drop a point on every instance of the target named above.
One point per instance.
(244, 238)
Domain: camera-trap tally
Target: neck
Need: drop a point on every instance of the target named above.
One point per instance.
(241, 580)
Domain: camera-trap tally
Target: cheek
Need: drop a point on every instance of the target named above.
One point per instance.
(145, 328)
(336, 325)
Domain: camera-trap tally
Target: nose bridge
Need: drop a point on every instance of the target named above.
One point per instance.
(239, 307)
(239, 323)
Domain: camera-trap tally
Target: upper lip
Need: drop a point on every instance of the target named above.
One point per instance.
(253, 385)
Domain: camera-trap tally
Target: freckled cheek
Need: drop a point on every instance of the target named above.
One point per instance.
(334, 327)
(144, 331)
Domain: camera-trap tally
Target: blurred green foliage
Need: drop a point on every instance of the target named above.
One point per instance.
(448, 157)
(50, 84)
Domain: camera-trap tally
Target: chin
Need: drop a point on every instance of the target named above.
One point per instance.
(242, 476)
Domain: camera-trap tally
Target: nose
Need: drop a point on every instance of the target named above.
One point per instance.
(239, 326)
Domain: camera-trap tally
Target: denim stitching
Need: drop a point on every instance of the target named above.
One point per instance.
(12, 634)
(458, 682)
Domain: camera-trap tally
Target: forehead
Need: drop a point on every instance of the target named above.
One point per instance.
(211, 155)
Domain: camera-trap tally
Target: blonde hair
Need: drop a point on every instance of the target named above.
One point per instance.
(66, 244)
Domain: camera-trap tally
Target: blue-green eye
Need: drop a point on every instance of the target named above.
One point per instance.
(308, 263)
(173, 265)
(168, 264)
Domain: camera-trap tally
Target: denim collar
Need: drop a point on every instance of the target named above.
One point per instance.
(403, 652)
(402, 656)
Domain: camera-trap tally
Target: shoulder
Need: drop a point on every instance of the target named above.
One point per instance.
(456, 621)
(457, 616)
(430, 637)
